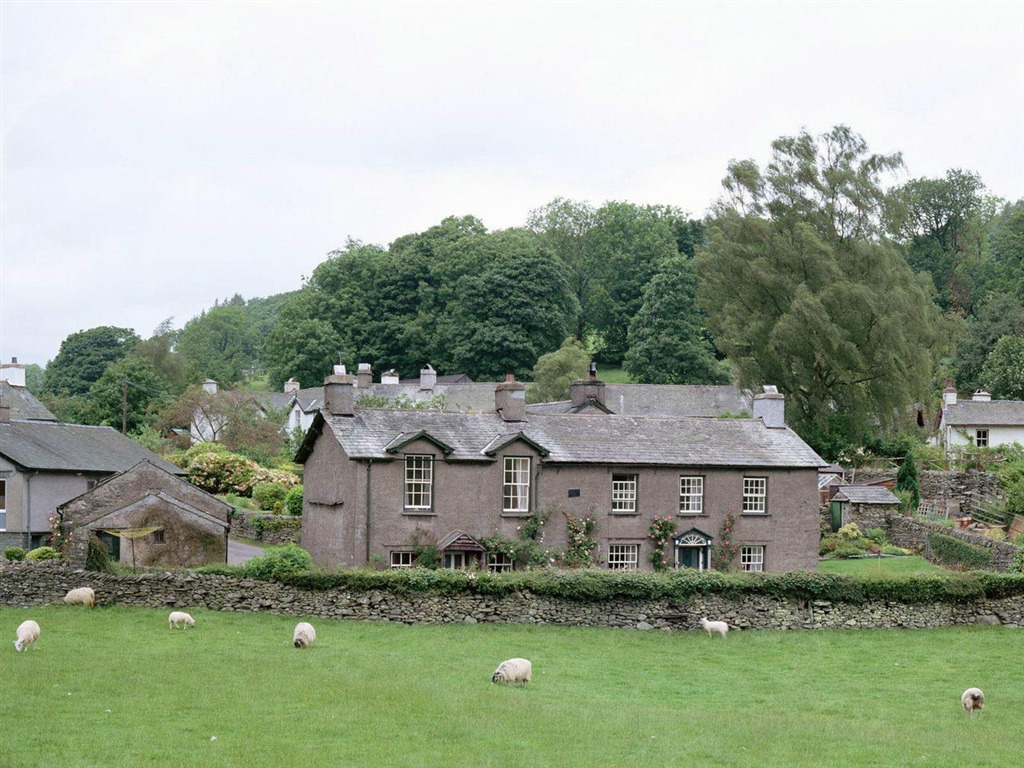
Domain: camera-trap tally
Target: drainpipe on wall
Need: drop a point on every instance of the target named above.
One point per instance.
(28, 509)
(369, 499)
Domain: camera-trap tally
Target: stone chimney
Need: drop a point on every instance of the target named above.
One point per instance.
(13, 372)
(584, 390)
(510, 399)
(770, 407)
(364, 376)
(981, 396)
(210, 386)
(949, 393)
(428, 378)
(389, 377)
(340, 395)
(291, 387)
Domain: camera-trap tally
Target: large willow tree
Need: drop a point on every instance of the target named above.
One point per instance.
(803, 291)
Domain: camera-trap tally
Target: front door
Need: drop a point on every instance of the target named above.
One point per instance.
(837, 516)
(690, 557)
(455, 560)
(113, 545)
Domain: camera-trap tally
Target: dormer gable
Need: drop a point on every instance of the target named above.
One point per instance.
(502, 441)
(400, 441)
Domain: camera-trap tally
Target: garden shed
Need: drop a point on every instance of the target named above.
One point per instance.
(866, 505)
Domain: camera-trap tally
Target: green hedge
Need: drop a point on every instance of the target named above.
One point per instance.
(952, 551)
(589, 585)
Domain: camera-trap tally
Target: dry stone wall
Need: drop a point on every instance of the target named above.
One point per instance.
(269, 528)
(44, 583)
(959, 492)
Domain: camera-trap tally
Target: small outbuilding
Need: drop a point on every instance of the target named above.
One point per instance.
(148, 517)
(866, 505)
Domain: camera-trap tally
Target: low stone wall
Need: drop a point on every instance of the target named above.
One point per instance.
(911, 533)
(45, 583)
(263, 526)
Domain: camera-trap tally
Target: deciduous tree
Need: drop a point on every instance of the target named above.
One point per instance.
(802, 293)
(555, 372)
(83, 357)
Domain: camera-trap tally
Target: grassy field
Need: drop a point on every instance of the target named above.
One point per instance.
(115, 687)
(886, 566)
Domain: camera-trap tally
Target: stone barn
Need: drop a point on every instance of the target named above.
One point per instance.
(148, 517)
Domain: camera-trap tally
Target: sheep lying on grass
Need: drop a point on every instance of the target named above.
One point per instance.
(180, 619)
(714, 626)
(513, 671)
(973, 700)
(304, 634)
(81, 596)
(28, 633)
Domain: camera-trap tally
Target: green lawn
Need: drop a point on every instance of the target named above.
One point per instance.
(886, 566)
(115, 687)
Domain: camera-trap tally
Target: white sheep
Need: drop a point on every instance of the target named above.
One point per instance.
(180, 619)
(81, 596)
(304, 634)
(513, 671)
(28, 633)
(714, 626)
(972, 699)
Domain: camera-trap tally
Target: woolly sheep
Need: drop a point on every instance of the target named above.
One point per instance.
(513, 671)
(304, 634)
(180, 619)
(28, 633)
(81, 596)
(714, 626)
(972, 699)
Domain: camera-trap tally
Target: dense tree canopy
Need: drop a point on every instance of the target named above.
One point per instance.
(667, 340)
(83, 357)
(220, 344)
(1003, 374)
(802, 293)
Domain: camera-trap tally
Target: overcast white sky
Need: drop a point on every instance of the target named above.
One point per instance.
(159, 156)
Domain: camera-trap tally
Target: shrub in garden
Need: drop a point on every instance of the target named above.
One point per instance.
(954, 552)
(269, 495)
(1016, 564)
(223, 472)
(276, 561)
(14, 554)
(43, 553)
(293, 501)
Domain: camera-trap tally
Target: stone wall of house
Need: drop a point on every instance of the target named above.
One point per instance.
(958, 492)
(46, 583)
(266, 527)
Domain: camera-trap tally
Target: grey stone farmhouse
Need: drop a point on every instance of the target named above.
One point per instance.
(379, 483)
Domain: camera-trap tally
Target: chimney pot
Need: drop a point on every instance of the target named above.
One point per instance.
(770, 407)
(210, 386)
(428, 378)
(364, 376)
(510, 399)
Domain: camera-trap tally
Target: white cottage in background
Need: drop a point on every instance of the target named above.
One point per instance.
(980, 421)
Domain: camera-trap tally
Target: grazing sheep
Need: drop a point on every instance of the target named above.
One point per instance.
(180, 619)
(513, 671)
(972, 699)
(304, 634)
(28, 633)
(714, 626)
(81, 596)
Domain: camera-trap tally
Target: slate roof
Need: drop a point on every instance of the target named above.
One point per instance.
(23, 403)
(866, 494)
(992, 413)
(59, 447)
(581, 439)
(663, 400)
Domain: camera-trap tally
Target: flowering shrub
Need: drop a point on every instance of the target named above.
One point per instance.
(662, 529)
(580, 534)
(726, 550)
